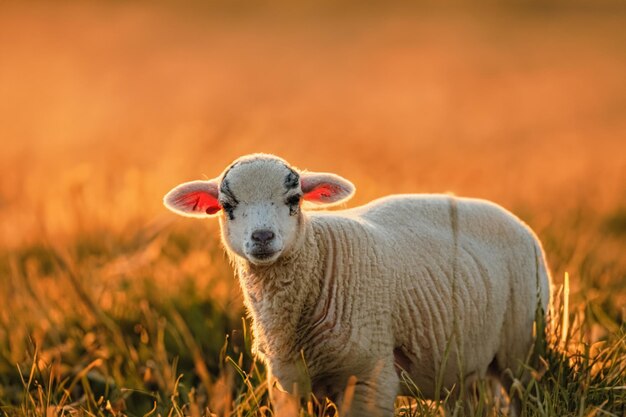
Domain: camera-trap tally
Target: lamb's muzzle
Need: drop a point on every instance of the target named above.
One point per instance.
(263, 237)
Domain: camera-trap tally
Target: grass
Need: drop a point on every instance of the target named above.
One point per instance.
(109, 306)
(176, 351)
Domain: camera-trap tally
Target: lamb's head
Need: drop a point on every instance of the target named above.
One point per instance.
(258, 199)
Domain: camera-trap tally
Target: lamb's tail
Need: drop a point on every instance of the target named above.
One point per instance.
(543, 295)
(542, 276)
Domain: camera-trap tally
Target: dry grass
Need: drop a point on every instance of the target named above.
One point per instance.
(109, 305)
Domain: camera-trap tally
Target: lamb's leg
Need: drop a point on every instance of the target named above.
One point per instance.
(286, 404)
(372, 395)
(464, 399)
(506, 378)
(477, 392)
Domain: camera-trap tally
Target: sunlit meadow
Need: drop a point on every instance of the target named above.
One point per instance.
(110, 305)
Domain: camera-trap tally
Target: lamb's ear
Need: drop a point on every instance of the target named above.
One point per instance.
(194, 199)
(325, 189)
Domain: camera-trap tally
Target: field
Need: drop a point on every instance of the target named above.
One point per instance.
(110, 305)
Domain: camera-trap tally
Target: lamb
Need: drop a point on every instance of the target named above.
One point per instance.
(344, 303)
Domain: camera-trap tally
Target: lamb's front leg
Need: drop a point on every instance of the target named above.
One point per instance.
(373, 394)
(285, 404)
(287, 384)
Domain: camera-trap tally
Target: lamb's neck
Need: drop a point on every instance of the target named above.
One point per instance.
(279, 298)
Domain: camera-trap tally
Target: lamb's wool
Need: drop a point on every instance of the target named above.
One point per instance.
(389, 277)
(393, 285)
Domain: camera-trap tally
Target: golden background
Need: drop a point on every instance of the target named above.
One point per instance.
(106, 106)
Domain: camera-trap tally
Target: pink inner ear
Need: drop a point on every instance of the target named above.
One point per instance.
(321, 193)
(199, 201)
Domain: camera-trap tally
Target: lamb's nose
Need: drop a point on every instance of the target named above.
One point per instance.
(263, 236)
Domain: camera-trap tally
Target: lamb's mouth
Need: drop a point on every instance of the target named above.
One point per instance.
(263, 256)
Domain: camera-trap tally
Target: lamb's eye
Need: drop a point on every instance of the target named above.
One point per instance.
(293, 200)
(294, 204)
(228, 209)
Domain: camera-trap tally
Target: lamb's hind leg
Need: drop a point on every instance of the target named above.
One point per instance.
(465, 399)
(507, 376)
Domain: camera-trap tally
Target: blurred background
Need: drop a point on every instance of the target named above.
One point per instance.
(523, 104)
(105, 106)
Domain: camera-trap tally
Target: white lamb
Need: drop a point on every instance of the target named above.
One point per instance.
(342, 302)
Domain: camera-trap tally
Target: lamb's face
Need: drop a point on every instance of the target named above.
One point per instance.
(261, 204)
(259, 199)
